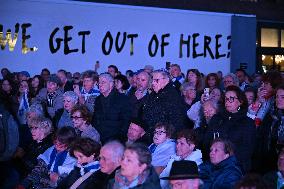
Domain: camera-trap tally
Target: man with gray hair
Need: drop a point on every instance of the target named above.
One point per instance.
(164, 104)
(110, 157)
(112, 111)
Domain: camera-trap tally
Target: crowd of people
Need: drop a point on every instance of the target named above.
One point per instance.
(147, 129)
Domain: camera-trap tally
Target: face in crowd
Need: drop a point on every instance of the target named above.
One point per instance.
(232, 102)
(184, 147)
(134, 132)
(159, 81)
(130, 165)
(160, 135)
(217, 153)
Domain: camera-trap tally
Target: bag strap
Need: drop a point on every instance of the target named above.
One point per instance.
(80, 180)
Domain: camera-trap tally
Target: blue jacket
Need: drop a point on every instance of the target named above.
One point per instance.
(221, 176)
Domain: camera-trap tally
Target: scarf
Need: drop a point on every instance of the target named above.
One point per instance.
(93, 92)
(57, 158)
(152, 147)
(90, 167)
(121, 182)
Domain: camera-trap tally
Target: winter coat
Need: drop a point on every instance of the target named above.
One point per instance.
(224, 175)
(57, 104)
(29, 161)
(165, 106)
(239, 129)
(270, 139)
(151, 182)
(95, 181)
(112, 116)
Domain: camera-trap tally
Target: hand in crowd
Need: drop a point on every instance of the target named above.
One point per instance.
(53, 177)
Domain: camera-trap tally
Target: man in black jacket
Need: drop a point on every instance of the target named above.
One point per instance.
(112, 111)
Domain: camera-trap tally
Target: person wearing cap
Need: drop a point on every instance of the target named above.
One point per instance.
(184, 175)
(137, 132)
(164, 104)
(50, 97)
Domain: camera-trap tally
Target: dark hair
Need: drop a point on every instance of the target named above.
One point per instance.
(114, 67)
(252, 181)
(84, 111)
(124, 81)
(215, 77)
(188, 134)
(168, 127)
(45, 70)
(62, 71)
(129, 73)
(86, 146)
(142, 151)
(228, 145)
(273, 77)
(242, 70)
(251, 89)
(240, 94)
(65, 135)
(198, 75)
(90, 74)
(40, 85)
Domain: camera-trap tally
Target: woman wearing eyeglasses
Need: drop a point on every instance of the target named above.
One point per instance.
(234, 124)
(81, 118)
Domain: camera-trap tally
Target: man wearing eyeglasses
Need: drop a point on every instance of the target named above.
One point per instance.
(164, 104)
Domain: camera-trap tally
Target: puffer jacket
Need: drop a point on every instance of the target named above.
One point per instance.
(237, 128)
(224, 175)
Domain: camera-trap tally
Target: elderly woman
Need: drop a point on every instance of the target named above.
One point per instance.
(63, 116)
(234, 124)
(223, 170)
(41, 129)
(230, 79)
(54, 163)
(189, 94)
(81, 118)
(163, 147)
(86, 151)
(185, 150)
(136, 170)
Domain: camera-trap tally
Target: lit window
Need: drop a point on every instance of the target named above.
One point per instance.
(269, 37)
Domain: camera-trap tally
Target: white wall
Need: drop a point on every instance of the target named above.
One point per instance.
(97, 18)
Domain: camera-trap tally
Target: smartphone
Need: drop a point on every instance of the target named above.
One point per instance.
(206, 93)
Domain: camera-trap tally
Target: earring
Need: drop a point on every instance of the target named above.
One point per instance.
(239, 108)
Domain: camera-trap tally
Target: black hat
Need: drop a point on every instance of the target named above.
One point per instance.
(139, 122)
(183, 169)
(55, 79)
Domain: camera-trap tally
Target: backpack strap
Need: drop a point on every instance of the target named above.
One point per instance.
(80, 180)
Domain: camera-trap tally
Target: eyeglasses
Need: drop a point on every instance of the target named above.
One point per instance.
(230, 99)
(159, 132)
(75, 117)
(225, 81)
